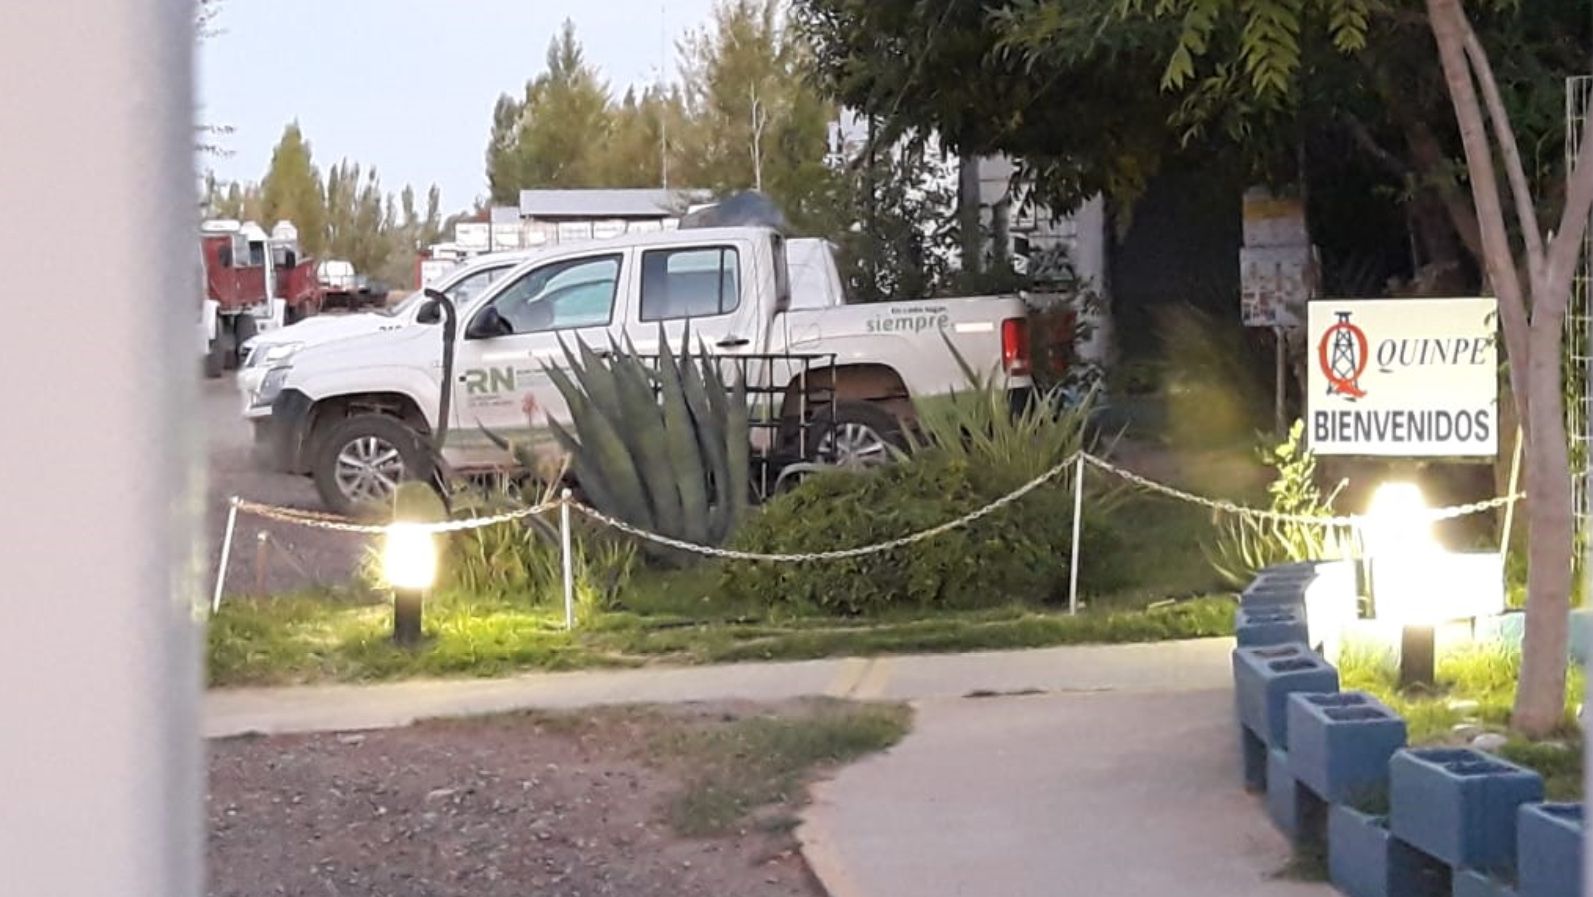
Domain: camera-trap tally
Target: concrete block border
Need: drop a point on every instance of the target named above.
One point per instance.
(1397, 821)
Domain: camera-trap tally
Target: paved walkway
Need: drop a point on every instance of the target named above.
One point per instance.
(1091, 770)
(1112, 794)
(323, 708)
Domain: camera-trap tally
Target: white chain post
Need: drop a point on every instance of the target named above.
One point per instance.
(569, 564)
(226, 554)
(1078, 525)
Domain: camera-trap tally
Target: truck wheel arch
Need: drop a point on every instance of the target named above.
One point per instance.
(876, 383)
(329, 412)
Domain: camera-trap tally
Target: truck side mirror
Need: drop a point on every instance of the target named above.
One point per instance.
(488, 324)
(224, 255)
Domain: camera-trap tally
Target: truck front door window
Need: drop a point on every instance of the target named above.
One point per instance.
(690, 283)
(561, 296)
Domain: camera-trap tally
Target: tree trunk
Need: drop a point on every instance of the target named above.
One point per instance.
(1540, 695)
(968, 214)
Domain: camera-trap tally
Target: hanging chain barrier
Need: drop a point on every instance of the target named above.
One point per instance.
(1228, 507)
(320, 520)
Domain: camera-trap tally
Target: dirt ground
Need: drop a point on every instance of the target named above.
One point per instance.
(574, 806)
(292, 557)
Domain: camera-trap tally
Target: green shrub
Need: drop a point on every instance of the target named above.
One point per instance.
(1245, 544)
(1018, 554)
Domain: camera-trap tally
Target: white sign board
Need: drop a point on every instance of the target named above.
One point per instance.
(1403, 377)
(1274, 283)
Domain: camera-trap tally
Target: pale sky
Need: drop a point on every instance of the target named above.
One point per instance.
(407, 85)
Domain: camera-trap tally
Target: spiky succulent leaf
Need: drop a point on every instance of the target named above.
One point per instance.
(685, 455)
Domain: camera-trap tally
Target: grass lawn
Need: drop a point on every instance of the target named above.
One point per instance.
(330, 636)
(1475, 689)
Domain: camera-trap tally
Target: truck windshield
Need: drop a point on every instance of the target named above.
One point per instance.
(460, 291)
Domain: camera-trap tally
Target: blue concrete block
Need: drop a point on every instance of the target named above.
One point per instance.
(1470, 883)
(1270, 626)
(1265, 677)
(1581, 634)
(1253, 757)
(1365, 860)
(1299, 814)
(1263, 595)
(1339, 744)
(1295, 569)
(1282, 794)
(1549, 850)
(1459, 805)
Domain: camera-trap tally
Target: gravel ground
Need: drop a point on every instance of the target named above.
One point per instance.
(501, 806)
(293, 557)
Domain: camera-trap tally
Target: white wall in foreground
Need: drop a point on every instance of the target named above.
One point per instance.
(100, 761)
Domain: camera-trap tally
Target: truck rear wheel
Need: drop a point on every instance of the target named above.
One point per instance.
(857, 434)
(361, 460)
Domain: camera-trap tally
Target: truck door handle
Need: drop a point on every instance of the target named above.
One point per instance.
(732, 342)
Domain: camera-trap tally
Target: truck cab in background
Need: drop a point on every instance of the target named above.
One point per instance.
(254, 282)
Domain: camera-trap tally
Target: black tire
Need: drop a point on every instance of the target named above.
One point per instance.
(867, 435)
(215, 362)
(245, 331)
(370, 436)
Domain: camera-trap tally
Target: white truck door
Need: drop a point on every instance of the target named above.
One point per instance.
(501, 382)
(706, 288)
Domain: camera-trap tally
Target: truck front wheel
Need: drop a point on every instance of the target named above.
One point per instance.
(216, 357)
(361, 460)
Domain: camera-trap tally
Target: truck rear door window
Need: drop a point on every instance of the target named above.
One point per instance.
(690, 283)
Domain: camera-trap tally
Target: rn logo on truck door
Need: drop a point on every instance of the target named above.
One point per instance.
(487, 381)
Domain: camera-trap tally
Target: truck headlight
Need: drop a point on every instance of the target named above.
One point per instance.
(271, 386)
(277, 353)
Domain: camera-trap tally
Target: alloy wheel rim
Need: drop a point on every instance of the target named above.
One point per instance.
(369, 469)
(853, 445)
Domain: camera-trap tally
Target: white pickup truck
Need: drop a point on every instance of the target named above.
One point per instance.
(352, 406)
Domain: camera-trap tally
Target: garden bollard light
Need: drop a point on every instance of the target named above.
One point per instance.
(409, 562)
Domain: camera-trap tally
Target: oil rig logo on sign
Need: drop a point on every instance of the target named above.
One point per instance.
(1343, 354)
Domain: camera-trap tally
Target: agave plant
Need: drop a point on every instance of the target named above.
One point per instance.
(665, 450)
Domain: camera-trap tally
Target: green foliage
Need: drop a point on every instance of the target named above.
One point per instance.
(975, 448)
(1213, 391)
(1476, 687)
(523, 559)
(675, 464)
(291, 190)
(1018, 554)
(1246, 544)
(742, 86)
(889, 215)
(321, 637)
(553, 134)
(977, 426)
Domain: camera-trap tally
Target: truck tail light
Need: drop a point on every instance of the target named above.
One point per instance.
(1015, 346)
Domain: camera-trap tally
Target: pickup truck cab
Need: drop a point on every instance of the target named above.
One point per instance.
(353, 412)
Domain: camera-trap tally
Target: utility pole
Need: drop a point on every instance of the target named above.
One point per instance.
(663, 95)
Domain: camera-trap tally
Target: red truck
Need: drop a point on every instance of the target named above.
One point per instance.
(254, 282)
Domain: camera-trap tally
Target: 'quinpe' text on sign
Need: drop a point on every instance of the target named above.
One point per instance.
(1410, 377)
